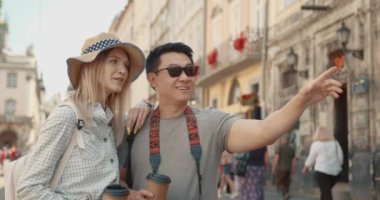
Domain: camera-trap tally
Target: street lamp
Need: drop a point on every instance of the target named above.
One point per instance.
(292, 58)
(344, 35)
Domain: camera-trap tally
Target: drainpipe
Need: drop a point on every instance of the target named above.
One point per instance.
(264, 58)
(204, 53)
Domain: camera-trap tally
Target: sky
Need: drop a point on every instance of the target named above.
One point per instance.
(57, 30)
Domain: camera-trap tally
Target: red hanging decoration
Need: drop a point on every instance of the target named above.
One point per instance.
(339, 61)
(212, 58)
(249, 99)
(239, 43)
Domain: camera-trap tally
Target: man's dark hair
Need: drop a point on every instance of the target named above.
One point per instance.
(153, 59)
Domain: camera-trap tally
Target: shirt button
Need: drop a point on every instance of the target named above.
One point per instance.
(111, 160)
(105, 139)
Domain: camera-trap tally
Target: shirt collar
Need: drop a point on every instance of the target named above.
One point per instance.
(102, 115)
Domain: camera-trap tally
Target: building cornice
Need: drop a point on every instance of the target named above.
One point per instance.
(295, 23)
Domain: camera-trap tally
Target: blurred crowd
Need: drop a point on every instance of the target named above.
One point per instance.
(8, 152)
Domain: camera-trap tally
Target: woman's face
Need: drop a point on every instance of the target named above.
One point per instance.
(115, 71)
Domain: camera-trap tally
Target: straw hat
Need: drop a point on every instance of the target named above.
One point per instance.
(103, 41)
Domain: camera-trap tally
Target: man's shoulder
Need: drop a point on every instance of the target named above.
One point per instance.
(209, 113)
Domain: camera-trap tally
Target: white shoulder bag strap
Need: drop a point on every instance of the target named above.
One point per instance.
(75, 138)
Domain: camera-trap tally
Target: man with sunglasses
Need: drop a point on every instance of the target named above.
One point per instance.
(186, 143)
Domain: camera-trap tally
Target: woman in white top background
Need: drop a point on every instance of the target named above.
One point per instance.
(327, 158)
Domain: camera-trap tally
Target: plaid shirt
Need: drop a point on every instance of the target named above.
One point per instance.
(88, 171)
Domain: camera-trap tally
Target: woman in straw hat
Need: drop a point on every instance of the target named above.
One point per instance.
(100, 77)
(327, 157)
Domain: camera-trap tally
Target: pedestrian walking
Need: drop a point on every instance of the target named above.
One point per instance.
(225, 175)
(283, 167)
(327, 158)
(253, 187)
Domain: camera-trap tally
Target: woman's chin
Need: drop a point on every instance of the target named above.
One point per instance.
(116, 90)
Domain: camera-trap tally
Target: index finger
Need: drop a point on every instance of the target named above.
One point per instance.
(328, 73)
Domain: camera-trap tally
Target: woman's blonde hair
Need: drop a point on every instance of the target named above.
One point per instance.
(322, 134)
(85, 96)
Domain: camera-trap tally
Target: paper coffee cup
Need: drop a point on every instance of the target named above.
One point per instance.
(115, 192)
(158, 184)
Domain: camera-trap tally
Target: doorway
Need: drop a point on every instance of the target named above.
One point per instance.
(341, 130)
(8, 138)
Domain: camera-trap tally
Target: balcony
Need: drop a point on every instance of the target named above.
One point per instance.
(16, 120)
(232, 58)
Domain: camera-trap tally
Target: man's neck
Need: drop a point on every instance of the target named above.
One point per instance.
(168, 110)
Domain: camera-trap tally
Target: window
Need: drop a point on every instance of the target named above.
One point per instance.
(255, 88)
(257, 17)
(234, 92)
(10, 107)
(12, 80)
(217, 31)
(235, 20)
(219, 3)
(288, 3)
(197, 40)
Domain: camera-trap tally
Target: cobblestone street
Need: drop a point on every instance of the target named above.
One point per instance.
(1, 185)
(340, 192)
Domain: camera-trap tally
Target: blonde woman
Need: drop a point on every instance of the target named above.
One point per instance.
(100, 77)
(327, 157)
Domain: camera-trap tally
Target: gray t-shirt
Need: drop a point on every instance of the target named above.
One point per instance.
(176, 160)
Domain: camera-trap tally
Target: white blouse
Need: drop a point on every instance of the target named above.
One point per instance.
(327, 157)
(89, 169)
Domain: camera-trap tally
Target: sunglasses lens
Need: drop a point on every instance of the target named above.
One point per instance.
(190, 71)
(175, 71)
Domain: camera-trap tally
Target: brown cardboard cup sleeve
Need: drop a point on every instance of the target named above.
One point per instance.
(158, 184)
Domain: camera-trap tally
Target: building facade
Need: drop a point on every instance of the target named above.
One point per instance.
(149, 24)
(20, 98)
(189, 27)
(245, 47)
(311, 30)
(233, 47)
(132, 25)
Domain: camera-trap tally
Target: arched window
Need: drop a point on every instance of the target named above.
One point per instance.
(234, 92)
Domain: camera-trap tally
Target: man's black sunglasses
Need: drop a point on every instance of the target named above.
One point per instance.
(176, 71)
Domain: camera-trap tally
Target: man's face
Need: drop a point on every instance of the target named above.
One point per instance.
(171, 82)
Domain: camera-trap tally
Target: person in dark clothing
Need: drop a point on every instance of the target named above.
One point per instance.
(253, 187)
(283, 166)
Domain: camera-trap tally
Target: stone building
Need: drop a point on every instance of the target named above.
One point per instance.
(304, 39)
(272, 48)
(20, 98)
(132, 25)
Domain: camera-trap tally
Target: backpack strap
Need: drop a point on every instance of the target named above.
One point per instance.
(76, 138)
(130, 140)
